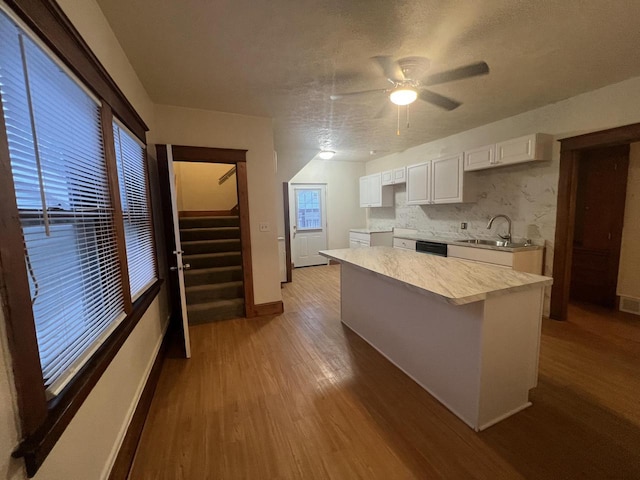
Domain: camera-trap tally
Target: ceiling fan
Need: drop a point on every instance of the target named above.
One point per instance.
(407, 87)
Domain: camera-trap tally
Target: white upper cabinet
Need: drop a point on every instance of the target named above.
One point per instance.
(437, 181)
(394, 177)
(528, 148)
(447, 180)
(373, 193)
(399, 175)
(419, 184)
(524, 149)
(480, 158)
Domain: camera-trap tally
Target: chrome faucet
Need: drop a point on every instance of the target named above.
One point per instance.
(506, 237)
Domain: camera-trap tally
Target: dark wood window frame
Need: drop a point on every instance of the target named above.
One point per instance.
(570, 153)
(42, 421)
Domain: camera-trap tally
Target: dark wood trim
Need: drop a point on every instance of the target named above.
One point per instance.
(61, 410)
(106, 117)
(287, 231)
(52, 26)
(182, 153)
(570, 153)
(205, 213)
(604, 138)
(16, 300)
(268, 309)
(245, 237)
(124, 459)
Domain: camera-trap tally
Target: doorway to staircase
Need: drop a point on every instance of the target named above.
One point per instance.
(206, 213)
(207, 201)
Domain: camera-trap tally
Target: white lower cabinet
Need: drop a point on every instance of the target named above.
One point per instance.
(437, 181)
(529, 261)
(404, 244)
(373, 239)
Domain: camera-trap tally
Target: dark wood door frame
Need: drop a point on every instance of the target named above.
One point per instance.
(287, 232)
(570, 154)
(183, 153)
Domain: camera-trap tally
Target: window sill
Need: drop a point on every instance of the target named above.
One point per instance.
(62, 408)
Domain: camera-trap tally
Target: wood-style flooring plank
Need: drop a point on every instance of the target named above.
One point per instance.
(300, 396)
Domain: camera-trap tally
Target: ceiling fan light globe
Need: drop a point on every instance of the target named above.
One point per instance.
(403, 96)
(326, 154)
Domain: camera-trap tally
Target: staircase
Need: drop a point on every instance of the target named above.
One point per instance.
(214, 286)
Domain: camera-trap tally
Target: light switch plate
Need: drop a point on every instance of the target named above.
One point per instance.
(264, 227)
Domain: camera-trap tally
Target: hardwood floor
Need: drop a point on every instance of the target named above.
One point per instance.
(299, 396)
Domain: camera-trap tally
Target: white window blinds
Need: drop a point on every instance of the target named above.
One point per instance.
(59, 171)
(132, 176)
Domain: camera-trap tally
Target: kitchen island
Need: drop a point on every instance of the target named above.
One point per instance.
(469, 334)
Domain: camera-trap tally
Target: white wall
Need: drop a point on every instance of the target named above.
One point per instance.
(198, 190)
(202, 128)
(629, 273)
(343, 210)
(88, 446)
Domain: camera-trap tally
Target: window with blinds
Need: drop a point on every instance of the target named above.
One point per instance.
(132, 176)
(62, 191)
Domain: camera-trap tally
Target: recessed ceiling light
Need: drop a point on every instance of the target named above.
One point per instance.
(326, 154)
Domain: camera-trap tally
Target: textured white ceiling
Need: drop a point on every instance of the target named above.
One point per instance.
(283, 58)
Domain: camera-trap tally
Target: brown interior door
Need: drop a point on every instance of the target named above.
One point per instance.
(600, 202)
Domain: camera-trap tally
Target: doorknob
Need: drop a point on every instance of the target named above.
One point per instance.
(186, 266)
(173, 269)
(295, 230)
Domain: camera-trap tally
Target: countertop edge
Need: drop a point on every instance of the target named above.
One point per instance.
(460, 243)
(454, 301)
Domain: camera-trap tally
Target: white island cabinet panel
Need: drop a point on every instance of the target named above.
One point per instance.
(467, 333)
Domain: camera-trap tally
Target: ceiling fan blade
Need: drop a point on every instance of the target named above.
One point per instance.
(438, 100)
(480, 68)
(390, 67)
(338, 96)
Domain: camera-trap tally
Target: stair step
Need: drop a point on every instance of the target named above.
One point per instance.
(219, 291)
(211, 246)
(208, 222)
(204, 276)
(208, 260)
(216, 233)
(218, 310)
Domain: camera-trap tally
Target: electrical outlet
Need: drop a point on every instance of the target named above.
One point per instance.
(264, 227)
(463, 225)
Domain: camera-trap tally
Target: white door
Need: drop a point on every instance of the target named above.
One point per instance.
(179, 267)
(365, 195)
(375, 189)
(309, 223)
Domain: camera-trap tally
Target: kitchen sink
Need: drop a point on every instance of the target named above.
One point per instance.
(494, 243)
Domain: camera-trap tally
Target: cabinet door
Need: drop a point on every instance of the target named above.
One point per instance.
(375, 190)
(365, 197)
(387, 177)
(399, 175)
(447, 179)
(479, 158)
(518, 150)
(418, 184)
(354, 244)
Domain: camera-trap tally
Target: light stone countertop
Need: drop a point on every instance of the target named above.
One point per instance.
(457, 241)
(371, 230)
(456, 281)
